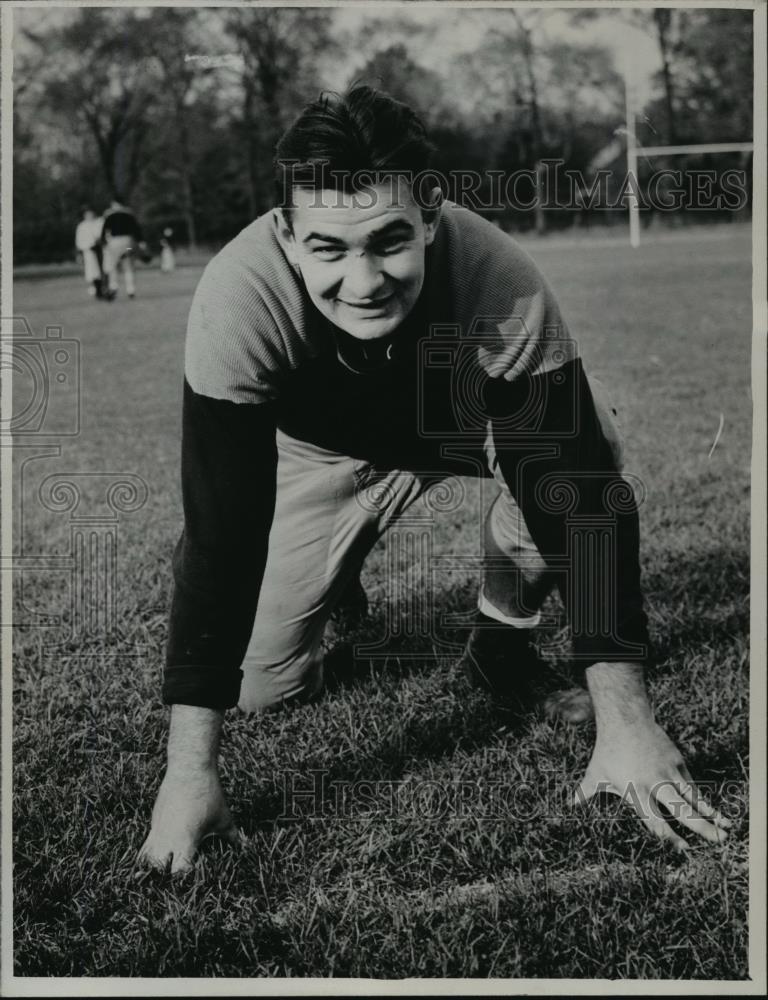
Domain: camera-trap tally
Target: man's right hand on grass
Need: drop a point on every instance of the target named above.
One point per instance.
(190, 804)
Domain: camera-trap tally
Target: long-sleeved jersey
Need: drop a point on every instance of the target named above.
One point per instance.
(484, 351)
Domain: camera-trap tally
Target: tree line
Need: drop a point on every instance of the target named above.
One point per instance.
(179, 108)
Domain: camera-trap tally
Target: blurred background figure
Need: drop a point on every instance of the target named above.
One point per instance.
(88, 244)
(122, 238)
(167, 258)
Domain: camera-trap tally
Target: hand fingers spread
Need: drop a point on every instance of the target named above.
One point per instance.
(659, 828)
(691, 794)
(682, 811)
(649, 813)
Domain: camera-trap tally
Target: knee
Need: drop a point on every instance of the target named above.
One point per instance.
(253, 702)
(507, 534)
(265, 689)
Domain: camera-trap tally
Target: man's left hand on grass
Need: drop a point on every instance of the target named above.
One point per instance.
(636, 760)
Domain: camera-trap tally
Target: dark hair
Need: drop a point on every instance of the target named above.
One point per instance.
(342, 141)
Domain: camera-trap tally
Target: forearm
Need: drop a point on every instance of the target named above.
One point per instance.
(619, 694)
(194, 738)
(190, 803)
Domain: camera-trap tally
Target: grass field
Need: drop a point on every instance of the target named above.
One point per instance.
(384, 870)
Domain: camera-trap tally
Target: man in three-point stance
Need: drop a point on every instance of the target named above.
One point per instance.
(334, 349)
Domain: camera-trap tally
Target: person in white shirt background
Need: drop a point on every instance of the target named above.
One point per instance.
(88, 244)
(167, 256)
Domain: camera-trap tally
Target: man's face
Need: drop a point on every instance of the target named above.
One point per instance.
(361, 255)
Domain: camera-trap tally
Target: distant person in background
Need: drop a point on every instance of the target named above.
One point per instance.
(167, 258)
(122, 238)
(88, 244)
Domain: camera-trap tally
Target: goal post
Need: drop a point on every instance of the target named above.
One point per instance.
(634, 151)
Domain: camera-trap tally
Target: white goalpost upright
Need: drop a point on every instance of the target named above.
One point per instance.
(633, 151)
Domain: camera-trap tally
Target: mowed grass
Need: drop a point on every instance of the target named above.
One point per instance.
(434, 836)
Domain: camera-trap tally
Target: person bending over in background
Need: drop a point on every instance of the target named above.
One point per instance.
(122, 238)
(345, 352)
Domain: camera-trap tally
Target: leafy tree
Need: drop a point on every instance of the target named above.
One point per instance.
(393, 70)
(534, 93)
(662, 24)
(663, 21)
(108, 99)
(705, 79)
(282, 54)
(712, 65)
(95, 75)
(169, 34)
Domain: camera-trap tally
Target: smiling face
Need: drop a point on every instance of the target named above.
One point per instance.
(361, 256)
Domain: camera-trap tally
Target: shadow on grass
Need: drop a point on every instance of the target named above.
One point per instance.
(386, 760)
(699, 600)
(463, 717)
(400, 728)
